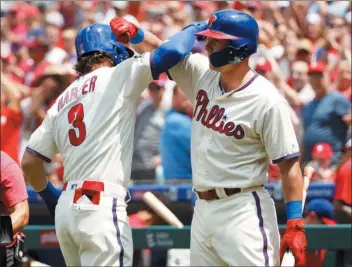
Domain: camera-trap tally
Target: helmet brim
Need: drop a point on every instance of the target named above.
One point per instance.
(217, 35)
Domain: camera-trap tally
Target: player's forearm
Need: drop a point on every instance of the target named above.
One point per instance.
(19, 216)
(290, 94)
(34, 172)
(149, 43)
(175, 49)
(292, 185)
(12, 91)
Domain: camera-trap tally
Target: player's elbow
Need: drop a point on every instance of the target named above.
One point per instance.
(164, 58)
(26, 162)
(172, 52)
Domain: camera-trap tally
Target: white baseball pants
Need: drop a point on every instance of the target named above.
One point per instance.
(94, 235)
(240, 230)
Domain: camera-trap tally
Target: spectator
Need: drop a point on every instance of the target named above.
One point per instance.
(175, 140)
(342, 197)
(322, 157)
(11, 118)
(337, 31)
(13, 203)
(37, 49)
(301, 91)
(18, 28)
(201, 10)
(263, 67)
(315, 31)
(13, 197)
(54, 22)
(300, 83)
(323, 117)
(48, 83)
(304, 51)
(150, 120)
(274, 174)
(319, 212)
(220, 5)
(343, 82)
(69, 36)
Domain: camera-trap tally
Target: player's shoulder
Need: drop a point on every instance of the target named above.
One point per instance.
(195, 59)
(136, 58)
(267, 91)
(128, 66)
(199, 57)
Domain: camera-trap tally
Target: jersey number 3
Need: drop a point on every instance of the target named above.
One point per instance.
(75, 117)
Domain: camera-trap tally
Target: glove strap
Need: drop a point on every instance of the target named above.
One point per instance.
(138, 38)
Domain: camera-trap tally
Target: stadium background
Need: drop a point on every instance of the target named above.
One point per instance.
(37, 56)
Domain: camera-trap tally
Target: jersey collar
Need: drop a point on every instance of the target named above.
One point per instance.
(224, 94)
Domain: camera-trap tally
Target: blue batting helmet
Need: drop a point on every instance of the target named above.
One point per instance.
(99, 37)
(237, 26)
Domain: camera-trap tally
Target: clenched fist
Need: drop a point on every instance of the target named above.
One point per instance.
(123, 30)
(294, 239)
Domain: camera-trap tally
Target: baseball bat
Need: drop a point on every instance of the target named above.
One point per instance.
(159, 208)
(288, 259)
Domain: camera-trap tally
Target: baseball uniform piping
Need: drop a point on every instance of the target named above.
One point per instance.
(152, 67)
(290, 156)
(261, 227)
(240, 88)
(114, 213)
(35, 153)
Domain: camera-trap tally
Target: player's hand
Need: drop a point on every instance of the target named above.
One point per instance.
(295, 240)
(123, 30)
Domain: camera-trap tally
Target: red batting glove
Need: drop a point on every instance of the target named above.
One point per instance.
(294, 239)
(123, 30)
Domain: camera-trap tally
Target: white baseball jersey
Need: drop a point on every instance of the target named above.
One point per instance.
(234, 134)
(92, 123)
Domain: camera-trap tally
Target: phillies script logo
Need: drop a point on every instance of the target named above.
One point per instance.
(211, 118)
(211, 20)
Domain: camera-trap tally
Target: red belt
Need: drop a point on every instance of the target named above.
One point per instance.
(91, 189)
(212, 195)
(89, 185)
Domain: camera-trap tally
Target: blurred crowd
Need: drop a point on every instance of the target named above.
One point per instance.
(305, 50)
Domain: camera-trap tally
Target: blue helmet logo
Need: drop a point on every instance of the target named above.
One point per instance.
(211, 20)
(99, 37)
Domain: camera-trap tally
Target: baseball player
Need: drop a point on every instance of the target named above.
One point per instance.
(240, 123)
(91, 125)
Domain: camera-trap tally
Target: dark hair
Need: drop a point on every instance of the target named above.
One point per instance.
(84, 63)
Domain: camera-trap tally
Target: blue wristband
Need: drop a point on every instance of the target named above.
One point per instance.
(138, 38)
(50, 195)
(294, 209)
